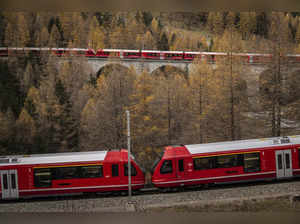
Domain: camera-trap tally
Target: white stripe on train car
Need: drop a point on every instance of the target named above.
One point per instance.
(78, 188)
(214, 178)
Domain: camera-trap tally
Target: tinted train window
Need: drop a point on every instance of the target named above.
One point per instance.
(115, 170)
(133, 170)
(299, 156)
(13, 181)
(71, 172)
(251, 162)
(279, 159)
(91, 171)
(228, 161)
(42, 177)
(204, 163)
(5, 184)
(180, 165)
(166, 167)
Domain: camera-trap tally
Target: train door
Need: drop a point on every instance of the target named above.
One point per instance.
(283, 164)
(180, 168)
(9, 184)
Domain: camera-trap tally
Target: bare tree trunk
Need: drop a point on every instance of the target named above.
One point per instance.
(169, 115)
(232, 115)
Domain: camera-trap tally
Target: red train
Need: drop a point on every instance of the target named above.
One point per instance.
(211, 57)
(67, 173)
(179, 166)
(226, 162)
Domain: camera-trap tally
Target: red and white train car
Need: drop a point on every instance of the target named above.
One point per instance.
(226, 162)
(67, 173)
(173, 55)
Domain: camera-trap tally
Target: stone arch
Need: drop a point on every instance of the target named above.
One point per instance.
(106, 68)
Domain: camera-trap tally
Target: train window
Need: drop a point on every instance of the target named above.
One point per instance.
(5, 184)
(13, 181)
(166, 167)
(299, 156)
(133, 170)
(279, 159)
(251, 162)
(180, 165)
(42, 177)
(115, 170)
(287, 161)
(228, 161)
(70, 172)
(91, 171)
(204, 163)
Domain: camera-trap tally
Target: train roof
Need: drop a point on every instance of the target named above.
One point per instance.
(69, 157)
(151, 51)
(192, 52)
(242, 144)
(173, 52)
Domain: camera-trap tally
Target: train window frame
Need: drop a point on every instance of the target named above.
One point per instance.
(133, 169)
(163, 167)
(64, 173)
(299, 157)
(44, 183)
(115, 170)
(210, 163)
(181, 165)
(235, 160)
(213, 162)
(250, 160)
(99, 173)
(13, 181)
(5, 181)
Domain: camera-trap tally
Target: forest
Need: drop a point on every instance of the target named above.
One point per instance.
(50, 104)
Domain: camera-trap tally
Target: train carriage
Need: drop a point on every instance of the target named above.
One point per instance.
(173, 55)
(293, 58)
(109, 53)
(132, 54)
(67, 173)
(191, 55)
(227, 162)
(3, 51)
(151, 54)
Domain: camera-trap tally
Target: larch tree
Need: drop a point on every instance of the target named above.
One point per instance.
(67, 90)
(280, 36)
(7, 128)
(42, 37)
(297, 38)
(113, 97)
(55, 37)
(27, 78)
(146, 41)
(144, 129)
(96, 35)
(230, 19)
(23, 36)
(218, 23)
(232, 69)
(201, 73)
(26, 131)
(78, 33)
(170, 105)
(247, 24)
(90, 138)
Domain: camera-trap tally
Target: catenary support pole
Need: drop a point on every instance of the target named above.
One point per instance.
(128, 148)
